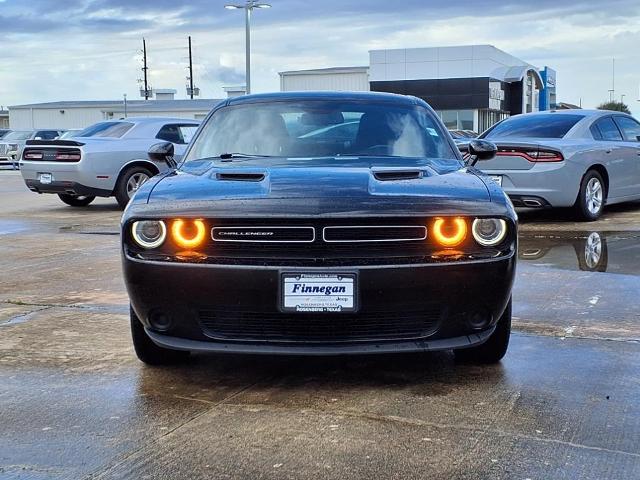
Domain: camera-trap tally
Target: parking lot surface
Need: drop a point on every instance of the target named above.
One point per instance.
(76, 403)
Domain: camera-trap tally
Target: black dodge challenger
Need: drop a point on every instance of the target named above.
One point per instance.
(320, 224)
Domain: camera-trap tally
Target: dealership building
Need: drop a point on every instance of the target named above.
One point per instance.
(470, 87)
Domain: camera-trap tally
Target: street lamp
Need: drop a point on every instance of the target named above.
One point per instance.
(248, 7)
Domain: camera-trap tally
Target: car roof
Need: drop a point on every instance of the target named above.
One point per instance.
(325, 95)
(576, 111)
(153, 120)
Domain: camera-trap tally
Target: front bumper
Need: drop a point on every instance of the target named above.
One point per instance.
(460, 293)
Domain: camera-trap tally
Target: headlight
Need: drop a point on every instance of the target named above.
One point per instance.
(12, 147)
(188, 233)
(149, 233)
(450, 232)
(489, 231)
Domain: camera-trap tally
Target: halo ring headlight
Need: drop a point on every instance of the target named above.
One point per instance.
(190, 239)
(149, 233)
(489, 232)
(450, 232)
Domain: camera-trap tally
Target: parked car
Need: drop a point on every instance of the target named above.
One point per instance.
(73, 132)
(106, 159)
(4, 132)
(584, 159)
(264, 241)
(12, 144)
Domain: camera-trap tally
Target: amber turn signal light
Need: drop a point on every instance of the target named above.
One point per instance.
(449, 232)
(188, 233)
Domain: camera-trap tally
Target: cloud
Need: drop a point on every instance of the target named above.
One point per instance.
(89, 49)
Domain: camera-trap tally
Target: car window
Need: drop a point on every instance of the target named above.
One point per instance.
(47, 134)
(630, 128)
(320, 128)
(606, 130)
(19, 135)
(176, 133)
(534, 126)
(106, 129)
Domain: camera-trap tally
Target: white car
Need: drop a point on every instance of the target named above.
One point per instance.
(13, 142)
(106, 159)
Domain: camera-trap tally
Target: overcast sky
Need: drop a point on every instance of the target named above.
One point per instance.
(90, 49)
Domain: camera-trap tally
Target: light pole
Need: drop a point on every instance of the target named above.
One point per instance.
(248, 7)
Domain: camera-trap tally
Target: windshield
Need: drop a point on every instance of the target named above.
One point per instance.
(105, 129)
(322, 129)
(69, 134)
(534, 126)
(22, 135)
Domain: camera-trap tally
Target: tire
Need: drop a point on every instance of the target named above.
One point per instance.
(591, 197)
(147, 351)
(129, 182)
(592, 253)
(76, 200)
(495, 347)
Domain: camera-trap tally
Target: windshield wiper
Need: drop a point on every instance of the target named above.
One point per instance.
(229, 156)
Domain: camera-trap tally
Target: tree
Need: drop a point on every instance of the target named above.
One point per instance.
(615, 106)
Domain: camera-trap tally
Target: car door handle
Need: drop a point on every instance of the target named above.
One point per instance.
(609, 151)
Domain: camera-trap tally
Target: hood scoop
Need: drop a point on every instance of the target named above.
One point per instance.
(240, 176)
(397, 174)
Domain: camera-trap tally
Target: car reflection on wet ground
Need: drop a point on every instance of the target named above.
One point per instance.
(75, 403)
(589, 251)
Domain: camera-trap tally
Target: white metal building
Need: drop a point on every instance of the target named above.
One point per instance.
(336, 79)
(4, 118)
(80, 114)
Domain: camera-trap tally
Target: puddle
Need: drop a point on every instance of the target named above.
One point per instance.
(8, 227)
(612, 252)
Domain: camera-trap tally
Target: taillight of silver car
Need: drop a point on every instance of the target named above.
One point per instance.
(531, 155)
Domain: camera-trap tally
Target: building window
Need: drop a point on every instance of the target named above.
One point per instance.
(457, 119)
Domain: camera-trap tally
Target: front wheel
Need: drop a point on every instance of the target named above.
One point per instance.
(76, 200)
(591, 197)
(495, 347)
(147, 351)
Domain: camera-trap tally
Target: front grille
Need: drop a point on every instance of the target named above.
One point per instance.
(239, 324)
(263, 234)
(3, 148)
(374, 233)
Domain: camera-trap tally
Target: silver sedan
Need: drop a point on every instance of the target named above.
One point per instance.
(584, 159)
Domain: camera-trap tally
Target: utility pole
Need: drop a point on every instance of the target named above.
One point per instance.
(190, 70)
(125, 105)
(145, 68)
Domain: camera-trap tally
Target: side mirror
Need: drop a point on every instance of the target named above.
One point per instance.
(482, 149)
(163, 152)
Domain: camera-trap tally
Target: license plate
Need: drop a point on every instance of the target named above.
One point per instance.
(497, 179)
(318, 292)
(46, 178)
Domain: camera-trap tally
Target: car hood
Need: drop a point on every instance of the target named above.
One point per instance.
(316, 187)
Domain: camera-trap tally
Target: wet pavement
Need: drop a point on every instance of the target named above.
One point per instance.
(75, 403)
